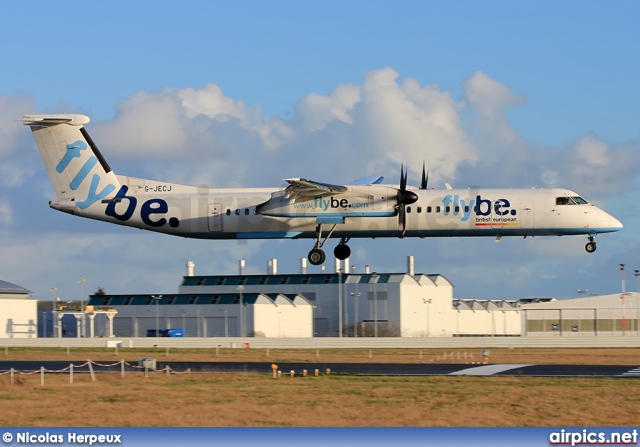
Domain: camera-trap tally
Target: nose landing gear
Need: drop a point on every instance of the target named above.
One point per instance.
(591, 245)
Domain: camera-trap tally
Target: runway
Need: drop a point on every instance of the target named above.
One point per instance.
(361, 369)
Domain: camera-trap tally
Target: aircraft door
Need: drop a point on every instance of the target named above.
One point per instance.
(215, 217)
(527, 216)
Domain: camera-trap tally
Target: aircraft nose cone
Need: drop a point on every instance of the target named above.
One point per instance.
(610, 223)
(616, 224)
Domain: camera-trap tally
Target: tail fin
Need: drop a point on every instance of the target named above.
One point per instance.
(78, 172)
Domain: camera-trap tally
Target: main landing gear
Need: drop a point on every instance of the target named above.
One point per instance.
(317, 256)
(591, 245)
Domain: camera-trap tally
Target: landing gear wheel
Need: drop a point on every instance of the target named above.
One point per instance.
(342, 251)
(590, 247)
(316, 256)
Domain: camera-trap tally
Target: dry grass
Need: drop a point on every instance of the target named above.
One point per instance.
(259, 400)
(216, 399)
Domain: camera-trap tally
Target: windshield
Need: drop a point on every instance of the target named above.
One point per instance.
(576, 200)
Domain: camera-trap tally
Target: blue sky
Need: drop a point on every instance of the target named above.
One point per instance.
(504, 94)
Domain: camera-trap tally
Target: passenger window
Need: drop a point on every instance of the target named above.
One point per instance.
(237, 212)
(437, 209)
(246, 211)
(419, 209)
(447, 209)
(428, 209)
(466, 209)
(228, 213)
(456, 209)
(408, 209)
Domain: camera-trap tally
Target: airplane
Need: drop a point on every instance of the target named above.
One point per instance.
(86, 186)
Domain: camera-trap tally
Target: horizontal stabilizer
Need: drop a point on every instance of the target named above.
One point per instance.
(52, 120)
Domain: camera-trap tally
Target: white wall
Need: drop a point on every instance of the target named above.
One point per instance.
(18, 318)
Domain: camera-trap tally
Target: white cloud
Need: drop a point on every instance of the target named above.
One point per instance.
(6, 213)
(490, 99)
(13, 137)
(316, 111)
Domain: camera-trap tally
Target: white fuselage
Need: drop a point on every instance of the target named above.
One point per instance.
(364, 211)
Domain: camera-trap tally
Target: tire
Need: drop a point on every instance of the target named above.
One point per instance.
(316, 256)
(590, 247)
(342, 251)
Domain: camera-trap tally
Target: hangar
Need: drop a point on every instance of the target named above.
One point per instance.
(369, 304)
(615, 314)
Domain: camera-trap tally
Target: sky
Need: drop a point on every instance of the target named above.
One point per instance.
(244, 94)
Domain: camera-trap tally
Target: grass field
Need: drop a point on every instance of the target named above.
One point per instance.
(219, 399)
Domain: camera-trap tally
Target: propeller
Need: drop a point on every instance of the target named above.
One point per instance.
(404, 198)
(425, 178)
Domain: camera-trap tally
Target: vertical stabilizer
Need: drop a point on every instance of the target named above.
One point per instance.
(78, 172)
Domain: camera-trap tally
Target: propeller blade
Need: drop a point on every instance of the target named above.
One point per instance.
(425, 178)
(404, 198)
(402, 220)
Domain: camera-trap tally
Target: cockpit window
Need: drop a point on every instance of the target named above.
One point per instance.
(579, 200)
(570, 201)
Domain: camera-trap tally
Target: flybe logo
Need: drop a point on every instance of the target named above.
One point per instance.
(454, 204)
(152, 211)
(74, 150)
(331, 203)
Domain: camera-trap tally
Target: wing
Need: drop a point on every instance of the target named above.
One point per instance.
(301, 188)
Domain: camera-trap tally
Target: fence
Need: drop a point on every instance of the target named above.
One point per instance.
(146, 365)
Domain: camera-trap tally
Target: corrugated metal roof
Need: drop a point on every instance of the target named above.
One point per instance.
(7, 287)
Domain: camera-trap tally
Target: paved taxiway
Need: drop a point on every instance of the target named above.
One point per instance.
(390, 369)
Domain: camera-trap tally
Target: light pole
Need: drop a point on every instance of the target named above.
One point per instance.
(157, 299)
(624, 320)
(375, 304)
(81, 281)
(355, 296)
(242, 319)
(339, 302)
(636, 273)
(53, 311)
